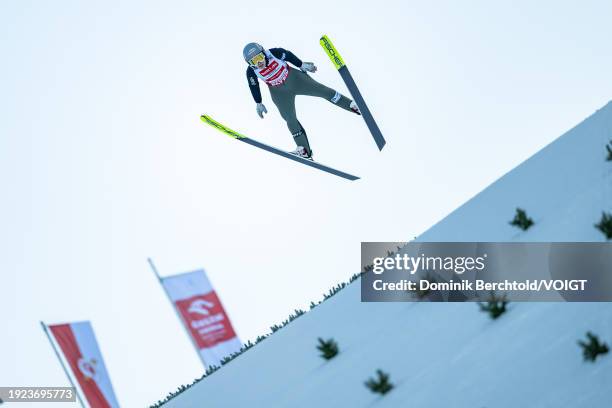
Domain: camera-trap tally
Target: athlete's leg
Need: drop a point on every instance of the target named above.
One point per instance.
(306, 85)
(285, 102)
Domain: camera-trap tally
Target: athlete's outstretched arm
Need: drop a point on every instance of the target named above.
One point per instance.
(286, 55)
(253, 84)
(255, 91)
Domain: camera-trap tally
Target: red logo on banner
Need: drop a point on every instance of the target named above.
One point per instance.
(87, 367)
(206, 319)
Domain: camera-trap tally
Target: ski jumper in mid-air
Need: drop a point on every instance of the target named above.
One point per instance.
(285, 83)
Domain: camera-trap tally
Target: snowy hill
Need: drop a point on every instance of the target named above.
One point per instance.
(440, 354)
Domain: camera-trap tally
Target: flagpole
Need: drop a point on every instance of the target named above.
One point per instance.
(76, 390)
(184, 324)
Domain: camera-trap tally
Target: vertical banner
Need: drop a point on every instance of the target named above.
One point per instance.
(77, 342)
(203, 315)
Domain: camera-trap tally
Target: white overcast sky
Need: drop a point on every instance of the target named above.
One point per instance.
(104, 162)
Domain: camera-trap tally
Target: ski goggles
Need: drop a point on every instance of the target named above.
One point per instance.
(257, 59)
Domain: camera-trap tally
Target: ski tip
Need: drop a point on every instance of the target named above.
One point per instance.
(210, 121)
(331, 51)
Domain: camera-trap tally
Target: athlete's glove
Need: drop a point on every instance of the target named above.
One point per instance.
(261, 109)
(308, 67)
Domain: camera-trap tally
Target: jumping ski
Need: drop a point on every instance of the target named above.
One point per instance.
(338, 62)
(308, 162)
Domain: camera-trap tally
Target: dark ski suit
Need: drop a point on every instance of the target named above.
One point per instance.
(297, 83)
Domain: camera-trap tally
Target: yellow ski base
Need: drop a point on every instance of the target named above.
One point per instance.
(331, 51)
(232, 133)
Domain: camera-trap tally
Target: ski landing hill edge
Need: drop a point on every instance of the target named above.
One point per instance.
(338, 62)
(210, 121)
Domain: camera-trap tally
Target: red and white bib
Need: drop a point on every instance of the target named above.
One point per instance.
(275, 73)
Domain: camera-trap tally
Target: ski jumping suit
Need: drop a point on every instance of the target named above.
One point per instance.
(285, 84)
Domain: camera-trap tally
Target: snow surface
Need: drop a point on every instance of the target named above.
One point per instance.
(451, 354)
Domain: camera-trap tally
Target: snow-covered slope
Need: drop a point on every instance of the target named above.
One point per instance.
(452, 355)
(564, 188)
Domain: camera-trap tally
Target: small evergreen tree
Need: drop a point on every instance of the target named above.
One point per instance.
(334, 290)
(247, 346)
(609, 149)
(298, 313)
(211, 369)
(593, 348)
(380, 385)
(521, 220)
(328, 348)
(495, 306)
(605, 225)
(355, 277)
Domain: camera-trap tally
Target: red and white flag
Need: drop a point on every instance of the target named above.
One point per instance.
(203, 315)
(78, 344)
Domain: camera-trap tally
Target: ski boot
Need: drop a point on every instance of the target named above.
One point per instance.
(302, 152)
